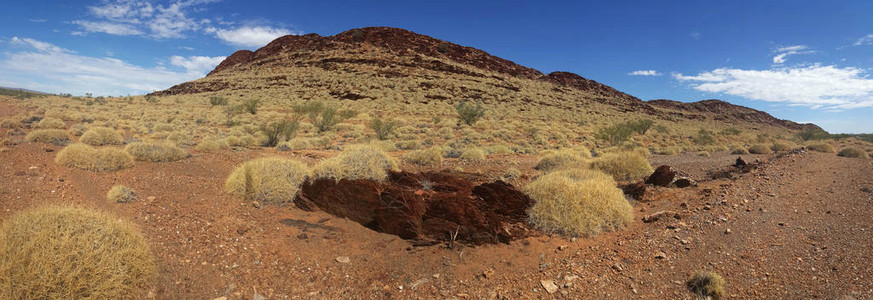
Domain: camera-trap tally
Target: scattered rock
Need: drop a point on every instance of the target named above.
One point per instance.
(684, 182)
(661, 255)
(343, 259)
(740, 163)
(549, 285)
(635, 190)
(662, 176)
(658, 215)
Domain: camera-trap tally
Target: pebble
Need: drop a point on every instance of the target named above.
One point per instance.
(661, 255)
(549, 285)
(343, 259)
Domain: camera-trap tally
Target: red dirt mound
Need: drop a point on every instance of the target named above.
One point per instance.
(430, 207)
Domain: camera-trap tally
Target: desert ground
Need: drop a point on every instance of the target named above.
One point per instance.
(794, 227)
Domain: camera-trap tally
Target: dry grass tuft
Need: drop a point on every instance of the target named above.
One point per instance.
(577, 202)
(564, 158)
(7, 123)
(737, 149)
(99, 136)
(85, 157)
(121, 194)
(822, 147)
(212, 145)
(473, 154)
(623, 166)
(156, 152)
(51, 123)
(357, 162)
(852, 152)
(72, 253)
(49, 136)
(273, 180)
(706, 284)
(426, 157)
(760, 149)
(781, 146)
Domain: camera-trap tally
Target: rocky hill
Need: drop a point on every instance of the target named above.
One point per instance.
(381, 63)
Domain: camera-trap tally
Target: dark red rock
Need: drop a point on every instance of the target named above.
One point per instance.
(635, 190)
(684, 182)
(662, 176)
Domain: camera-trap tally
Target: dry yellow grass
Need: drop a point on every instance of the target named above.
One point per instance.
(100, 136)
(273, 180)
(212, 145)
(357, 162)
(706, 284)
(564, 158)
(473, 154)
(7, 123)
(577, 202)
(49, 136)
(623, 166)
(156, 152)
(425, 157)
(121, 194)
(73, 253)
(51, 123)
(821, 147)
(852, 152)
(85, 157)
(760, 149)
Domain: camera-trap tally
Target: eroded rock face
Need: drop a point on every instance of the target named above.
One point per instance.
(662, 176)
(430, 206)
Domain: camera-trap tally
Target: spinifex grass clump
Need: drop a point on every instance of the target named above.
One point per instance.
(72, 253)
(425, 157)
(357, 162)
(577, 202)
(99, 136)
(623, 166)
(93, 159)
(50, 136)
(121, 194)
(273, 180)
(760, 149)
(564, 158)
(821, 147)
(706, 284)
(156, 152)
(852, 152)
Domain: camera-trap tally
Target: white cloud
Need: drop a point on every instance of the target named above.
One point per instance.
(106, 27)
(250, 36)
(695, 35)
(38, 20)
(865, 40)
(783, 52)
(50, 68)
(814, 86)
(645, 73)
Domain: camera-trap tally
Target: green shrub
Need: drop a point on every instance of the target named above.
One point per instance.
(278, 131)
(85, 157)
(821, 147)
(809, 133)
(383, 129)
(615, 134)
(272, 180)
(706, 284)
(852, 152)
(121, 194)
(760, 149)
(357, 162)
(215, 100)
(73, 253)
(623, 166)
(49, 136)
(156, 152)
(426, 157)
(51, 123)
(640, 126)
(469, 114)
(250, 106)
(577, 202)
(730, 131)
(100, 136)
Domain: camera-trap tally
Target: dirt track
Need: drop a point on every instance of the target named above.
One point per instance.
(799, 227)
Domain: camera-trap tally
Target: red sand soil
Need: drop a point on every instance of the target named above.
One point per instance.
(797, 227)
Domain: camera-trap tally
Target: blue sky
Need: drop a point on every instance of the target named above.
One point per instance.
(807, 61)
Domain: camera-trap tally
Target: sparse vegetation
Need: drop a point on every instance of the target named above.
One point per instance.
(852, 152)
(100, 136)
(51, 123)
(272, 180)
(357, 162)
(85, 157)
(760, 149)
(120, 194)
(48, 136)
(73, 253)
(215, 100)
(426, 157)
(156, 151)
(706, 284)
(821, 147)
(469, 114)
(623, 166)
(577, 202)
(384, 129)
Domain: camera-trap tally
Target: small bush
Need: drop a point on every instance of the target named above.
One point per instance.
(215, 100)
(212, 145)
(739, 150)
(279, 131)
(623, 166)
(563, 159)
(180, 139)
(250, 106)
(9, 124)
(295, 145)
(615, 134)
(120, 194)
(730, 131)
(49, 136)
(156, 152)
(640, 126)
(73, 253)
(706, 284)
(760, 149)
(704, 137)
(473, 154)
(426, 157)
(384, 129)
(357, 162)
(821, 147)
(51, 123)
(499, 149)
(469, 114)
(852, 152)
(85, 157)
(100, 136)
(781, 146)
(577, 202)
(78, 129)
(273, 180)
(809, 133)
